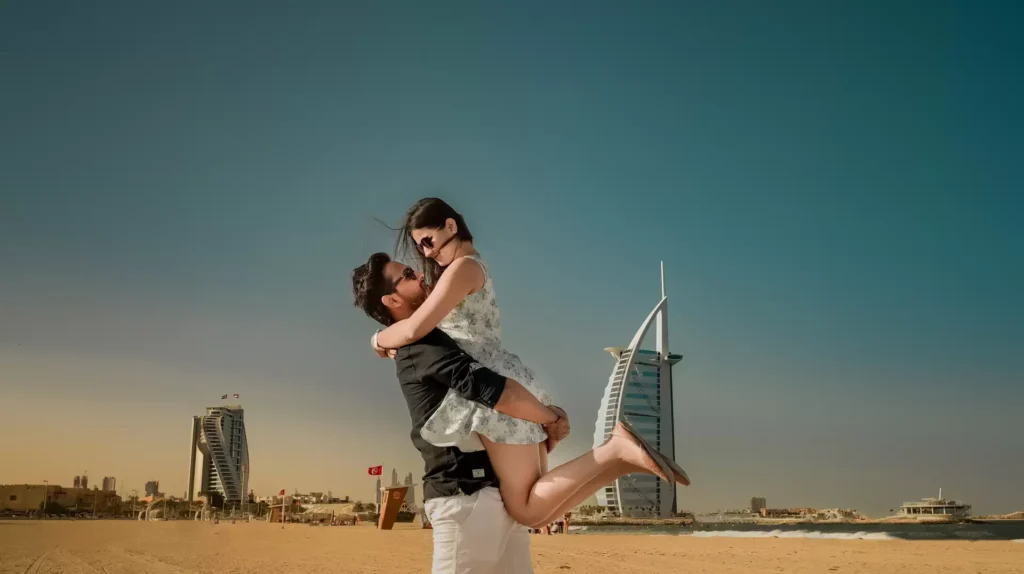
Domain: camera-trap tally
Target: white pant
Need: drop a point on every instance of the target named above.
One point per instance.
(475, 535)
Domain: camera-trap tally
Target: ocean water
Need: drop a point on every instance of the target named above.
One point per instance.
(1014, 532)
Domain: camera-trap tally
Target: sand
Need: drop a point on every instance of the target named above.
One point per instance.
(112, 547)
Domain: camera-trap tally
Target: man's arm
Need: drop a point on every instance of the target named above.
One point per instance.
(453, 368)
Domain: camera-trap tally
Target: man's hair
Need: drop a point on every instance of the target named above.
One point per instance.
(369, 285)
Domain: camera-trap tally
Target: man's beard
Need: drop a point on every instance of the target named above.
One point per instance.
(424, 292)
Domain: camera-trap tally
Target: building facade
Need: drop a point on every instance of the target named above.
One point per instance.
(220, 454)
(639, 390)
(410, 495)
(29, 498)
(109, 484)
(757, 503)
(153, 488)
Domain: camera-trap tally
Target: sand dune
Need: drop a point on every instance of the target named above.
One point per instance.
(116, 547)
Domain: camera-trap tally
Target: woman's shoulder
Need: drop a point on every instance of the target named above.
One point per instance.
(478, 260)
(472, 264)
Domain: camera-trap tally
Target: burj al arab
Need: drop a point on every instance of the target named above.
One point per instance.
(639, 390)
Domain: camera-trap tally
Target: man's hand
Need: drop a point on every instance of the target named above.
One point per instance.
(558, 430)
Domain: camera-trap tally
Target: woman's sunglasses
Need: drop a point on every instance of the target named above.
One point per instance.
(428, 243)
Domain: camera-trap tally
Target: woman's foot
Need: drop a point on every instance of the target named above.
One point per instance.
(677, 471)
(665, 463)
(632, 451)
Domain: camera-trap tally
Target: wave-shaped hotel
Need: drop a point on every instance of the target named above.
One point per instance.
(220, 454)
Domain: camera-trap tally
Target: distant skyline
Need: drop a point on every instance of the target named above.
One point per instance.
(835, 189)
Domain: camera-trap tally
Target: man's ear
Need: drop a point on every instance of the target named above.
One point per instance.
(390, 301)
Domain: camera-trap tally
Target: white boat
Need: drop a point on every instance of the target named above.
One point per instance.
(935, 510)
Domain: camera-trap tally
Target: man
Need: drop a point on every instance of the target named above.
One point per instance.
(473, 534)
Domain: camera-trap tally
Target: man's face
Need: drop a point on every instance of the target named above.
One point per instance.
(409, 292)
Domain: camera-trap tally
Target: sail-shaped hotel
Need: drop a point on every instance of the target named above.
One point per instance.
(639, 390)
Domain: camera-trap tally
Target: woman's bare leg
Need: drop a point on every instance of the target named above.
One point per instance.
(532, 496)
(595, 484)
(586, 491)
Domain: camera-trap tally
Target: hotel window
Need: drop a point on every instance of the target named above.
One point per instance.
(14, 497)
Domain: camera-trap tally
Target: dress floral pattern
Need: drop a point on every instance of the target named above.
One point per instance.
(475, 324)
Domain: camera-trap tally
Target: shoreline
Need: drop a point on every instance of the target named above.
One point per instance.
(777, 522)
(846, 530)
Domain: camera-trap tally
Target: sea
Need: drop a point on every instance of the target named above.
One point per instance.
(969, 531)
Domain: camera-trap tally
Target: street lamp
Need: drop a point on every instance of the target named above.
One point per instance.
(135, 498)
(46, 495)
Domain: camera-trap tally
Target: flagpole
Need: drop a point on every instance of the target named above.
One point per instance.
(376, 472)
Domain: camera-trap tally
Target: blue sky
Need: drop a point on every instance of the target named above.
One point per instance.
(834, 189)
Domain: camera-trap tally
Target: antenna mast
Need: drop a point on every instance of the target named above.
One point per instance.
(662, 279)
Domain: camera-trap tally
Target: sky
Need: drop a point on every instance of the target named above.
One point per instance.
(834, 188)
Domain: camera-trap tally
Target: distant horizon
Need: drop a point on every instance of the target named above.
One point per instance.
(590, 502)
(702, 511)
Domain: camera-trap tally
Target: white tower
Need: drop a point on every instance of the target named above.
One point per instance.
(220, 452)
(640, 390)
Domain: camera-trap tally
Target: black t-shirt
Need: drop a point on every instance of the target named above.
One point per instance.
(427, 369)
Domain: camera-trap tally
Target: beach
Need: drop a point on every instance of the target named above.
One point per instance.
(113, 547)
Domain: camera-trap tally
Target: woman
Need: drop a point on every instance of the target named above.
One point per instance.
(463, 305)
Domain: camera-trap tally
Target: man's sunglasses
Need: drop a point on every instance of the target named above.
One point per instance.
(407, 274)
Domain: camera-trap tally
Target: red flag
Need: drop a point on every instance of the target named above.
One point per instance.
(236, 396)
(224, 397)
(281, 493)
(375, 470)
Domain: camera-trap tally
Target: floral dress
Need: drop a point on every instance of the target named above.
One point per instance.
(475, 324)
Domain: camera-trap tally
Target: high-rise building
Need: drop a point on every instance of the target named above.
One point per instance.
(109, 484)
(153, 488)
(78, 481)
(410, 495)
(757, 503)
(639, 390)
(394, 477)
(220, 454)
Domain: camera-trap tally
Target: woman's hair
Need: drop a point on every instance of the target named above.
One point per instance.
(428, 213)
